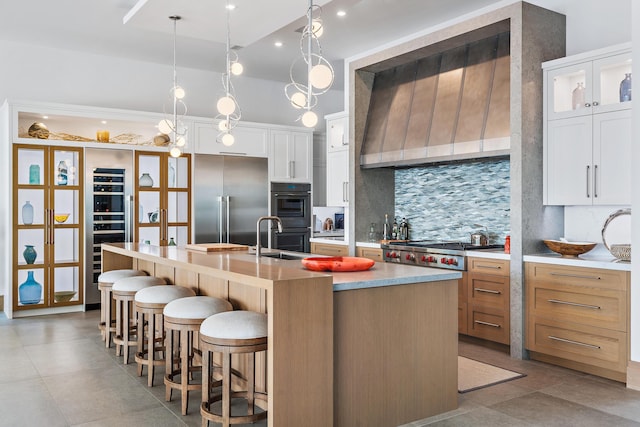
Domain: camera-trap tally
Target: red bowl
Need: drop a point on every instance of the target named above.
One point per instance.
(338, 263)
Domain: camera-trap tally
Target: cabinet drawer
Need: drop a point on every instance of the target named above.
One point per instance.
(485, 289)
(490, 324)
(602, 308)
(578, 276)
(371, 253)
(498, 267)
(328, 249)
(584, 344)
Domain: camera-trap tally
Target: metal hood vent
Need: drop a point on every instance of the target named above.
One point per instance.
(448, 106)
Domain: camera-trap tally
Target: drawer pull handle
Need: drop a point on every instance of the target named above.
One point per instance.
(495, 267)
(551, 337)
(493, 325)
(576, 304)
(579, 276)
(487, 291)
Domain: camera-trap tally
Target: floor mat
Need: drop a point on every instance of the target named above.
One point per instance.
(473, 375)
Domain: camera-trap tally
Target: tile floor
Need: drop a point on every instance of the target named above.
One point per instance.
(54, 371)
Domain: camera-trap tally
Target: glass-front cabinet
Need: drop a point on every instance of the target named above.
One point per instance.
(47, 226)
(590, 87)
(163, 198)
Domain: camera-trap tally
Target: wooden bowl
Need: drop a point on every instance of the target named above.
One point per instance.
(569, 249)
(338, 263)
(64, 296)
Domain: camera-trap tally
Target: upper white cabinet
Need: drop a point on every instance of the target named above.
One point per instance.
(581, 86)
(250, 140)
(337, 159)
(291, 156)
(587, 136)
(337, 131)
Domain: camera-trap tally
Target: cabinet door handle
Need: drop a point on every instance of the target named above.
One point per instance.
(493, 325)
(595, 181)
(47, 226)
(292, 169)
(596, 103)
(487, 291)
(597, 347)
(579, 276)
(52, 231)
(588, 182)
(587, 105)
(575, 304)
(494, 267)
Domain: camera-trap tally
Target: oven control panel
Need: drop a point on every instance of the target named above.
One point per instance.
(424, 259)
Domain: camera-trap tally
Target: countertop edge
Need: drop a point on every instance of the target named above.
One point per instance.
(601, 262)
(350, 286)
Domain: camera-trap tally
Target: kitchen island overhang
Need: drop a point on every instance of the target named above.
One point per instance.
(368, 348)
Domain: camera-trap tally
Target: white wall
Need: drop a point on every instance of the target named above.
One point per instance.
(37, 73)
(635, 201)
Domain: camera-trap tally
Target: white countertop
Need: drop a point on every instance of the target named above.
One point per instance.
(489, 254)
(329, 240)
(375, 245)
(597, 260)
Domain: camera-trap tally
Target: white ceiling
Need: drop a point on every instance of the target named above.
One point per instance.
(99, 27)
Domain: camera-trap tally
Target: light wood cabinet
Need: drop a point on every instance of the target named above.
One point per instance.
(48, 218)
(375, 254)
(578, 318)
(587, 129)
(463, 306)
(291, 156)
(488, 299)
(163, 216)
(329, 249)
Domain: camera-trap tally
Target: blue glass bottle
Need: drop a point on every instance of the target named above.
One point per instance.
(29, 254)
(30, 291)
(625, 88)
(62, 173)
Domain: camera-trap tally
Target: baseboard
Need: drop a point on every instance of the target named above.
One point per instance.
(633, 375)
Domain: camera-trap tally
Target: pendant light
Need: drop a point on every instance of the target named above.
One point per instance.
(175, 126)
(229, 112)
(317, 70)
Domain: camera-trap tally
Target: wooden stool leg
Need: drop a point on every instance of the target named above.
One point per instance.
(125, 331)
(107, 319)
(168, 365)
(151, 334)
(140, 339)
(251, 379)
(184, 370)
(119, 325)
(102, 313)
(206, 354)
(226, 388)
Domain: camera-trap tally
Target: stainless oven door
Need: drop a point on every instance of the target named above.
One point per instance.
(292, 205)
(291, 239)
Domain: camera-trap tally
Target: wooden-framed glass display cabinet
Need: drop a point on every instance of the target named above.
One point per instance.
(163, 198)
(47, 219)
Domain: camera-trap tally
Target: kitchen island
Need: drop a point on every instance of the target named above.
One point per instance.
(374, 348)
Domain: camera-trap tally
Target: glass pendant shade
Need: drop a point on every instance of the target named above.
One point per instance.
(298, 100)
(178, 92)
(321, 76)
(316, 28)
(175, 152)
(309, 119)
(236, 68)
(165, 126)
(181, 141)
(223, 126)
(226, 105)
(228, 139)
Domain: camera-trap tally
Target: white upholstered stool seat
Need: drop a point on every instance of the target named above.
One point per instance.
(149, 304)
(230, 333)
(182, 318)
(105, 282)
(124, 291)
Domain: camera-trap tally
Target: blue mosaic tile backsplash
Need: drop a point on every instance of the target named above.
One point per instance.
(443, 202)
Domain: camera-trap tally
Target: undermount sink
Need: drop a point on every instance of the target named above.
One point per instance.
(282, 255)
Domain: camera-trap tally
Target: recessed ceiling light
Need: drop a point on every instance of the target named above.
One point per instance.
(278, 44)
(104, 122)
(45, 117)
(341, 13)
(231, 6)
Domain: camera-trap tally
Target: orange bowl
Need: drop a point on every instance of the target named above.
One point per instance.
(569, 249)
(338, 263)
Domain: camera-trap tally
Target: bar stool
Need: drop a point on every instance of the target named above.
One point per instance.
(105, 283)
(149, 303)
(230, 333)
(183, 317)
(124, 291)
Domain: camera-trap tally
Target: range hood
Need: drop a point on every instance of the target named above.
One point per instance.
(447, 106)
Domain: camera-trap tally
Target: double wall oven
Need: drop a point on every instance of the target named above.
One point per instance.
(291, 202)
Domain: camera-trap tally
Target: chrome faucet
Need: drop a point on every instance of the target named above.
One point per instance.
(265, 218)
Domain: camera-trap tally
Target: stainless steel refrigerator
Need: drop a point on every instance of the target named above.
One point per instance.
(109, 209)
(230, 193)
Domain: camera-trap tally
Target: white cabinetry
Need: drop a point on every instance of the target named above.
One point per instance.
(587, 137)
(337, 159)
(250, 140)
(291, 156)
